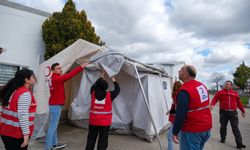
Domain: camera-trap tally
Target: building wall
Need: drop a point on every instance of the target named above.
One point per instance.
(21, 35)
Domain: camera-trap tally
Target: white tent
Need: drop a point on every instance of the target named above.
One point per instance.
(142, 104)
(171, 68)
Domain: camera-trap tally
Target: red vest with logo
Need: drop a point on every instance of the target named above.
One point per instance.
(100, 111)
(10, 123)
(199, 117)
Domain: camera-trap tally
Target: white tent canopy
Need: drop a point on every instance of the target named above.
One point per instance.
(142, 104)
(79, 51)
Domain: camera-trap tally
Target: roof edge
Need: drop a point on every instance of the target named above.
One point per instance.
(24, 8)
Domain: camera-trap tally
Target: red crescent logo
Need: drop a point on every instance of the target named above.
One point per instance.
(202, 91)
(47, 71)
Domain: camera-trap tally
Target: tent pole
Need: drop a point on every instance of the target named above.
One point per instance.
(145, 100)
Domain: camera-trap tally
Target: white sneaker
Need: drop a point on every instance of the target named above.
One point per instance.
(59, 146)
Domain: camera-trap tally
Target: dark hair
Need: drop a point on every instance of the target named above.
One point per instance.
(230, 82)
(13, 84)
(102, 84)
(191, 72)
(54, 65)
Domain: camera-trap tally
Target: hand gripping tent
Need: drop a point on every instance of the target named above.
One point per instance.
(141, 106)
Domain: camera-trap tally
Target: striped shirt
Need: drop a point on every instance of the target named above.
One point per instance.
(24, 102)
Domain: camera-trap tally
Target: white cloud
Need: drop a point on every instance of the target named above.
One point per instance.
(151, 31)
(227, 53)
(212, 18)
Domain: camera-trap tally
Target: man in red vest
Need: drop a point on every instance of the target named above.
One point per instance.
(229, 102)
(100, 115)
(193, 116)
(56, 102)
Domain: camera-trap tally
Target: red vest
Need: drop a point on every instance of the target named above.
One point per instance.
(199, 117)
(100, 111)
(10, 125)
(173, 106)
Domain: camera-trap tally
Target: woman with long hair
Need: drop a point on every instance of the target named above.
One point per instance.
(176, 87)
(18, 110)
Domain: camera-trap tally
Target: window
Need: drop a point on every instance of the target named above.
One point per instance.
(7, 72)
(165, 85)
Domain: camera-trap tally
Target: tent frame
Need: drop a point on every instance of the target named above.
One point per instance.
(147, 105)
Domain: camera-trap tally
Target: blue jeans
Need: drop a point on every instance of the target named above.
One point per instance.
(193, 140)
(54, 116)
(170, 137)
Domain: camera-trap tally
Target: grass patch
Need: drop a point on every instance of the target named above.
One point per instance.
(244, 99)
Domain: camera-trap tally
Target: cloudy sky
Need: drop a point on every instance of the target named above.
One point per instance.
(213, 35)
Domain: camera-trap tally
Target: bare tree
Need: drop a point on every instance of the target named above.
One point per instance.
(217, 78)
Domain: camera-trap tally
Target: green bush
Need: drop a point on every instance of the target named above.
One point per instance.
(64, 28)
(244, 99)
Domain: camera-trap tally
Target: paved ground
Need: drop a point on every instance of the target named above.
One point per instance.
(76, 138)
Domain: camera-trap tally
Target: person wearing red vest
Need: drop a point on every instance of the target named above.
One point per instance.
(18, 110)
(56, 102)
(193, 115)
(176, 87)
(229, 102)
(100, 115)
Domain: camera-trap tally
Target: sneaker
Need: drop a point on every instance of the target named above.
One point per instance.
(241, 146)
(222, 140)
(59, 146)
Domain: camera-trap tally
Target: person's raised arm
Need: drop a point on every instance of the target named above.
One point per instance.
(116, 90)
(71, 74)
(84, 65)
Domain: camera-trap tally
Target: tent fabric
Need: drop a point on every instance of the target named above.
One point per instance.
(130, 114)
(77, 52)
(109, 61)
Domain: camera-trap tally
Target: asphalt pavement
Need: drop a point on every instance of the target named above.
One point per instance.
(76, 138)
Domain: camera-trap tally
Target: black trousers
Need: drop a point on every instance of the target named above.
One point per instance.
(231, 116)
(94, 131)
(11, 143)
